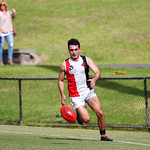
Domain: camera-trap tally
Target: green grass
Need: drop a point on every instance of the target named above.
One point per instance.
(53, 71)
(110, 31)
(31, 138)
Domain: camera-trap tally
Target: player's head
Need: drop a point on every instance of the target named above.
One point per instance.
(74, 48)
(73, 42)
(3, 4)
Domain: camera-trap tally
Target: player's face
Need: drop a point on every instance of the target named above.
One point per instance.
(74, 51)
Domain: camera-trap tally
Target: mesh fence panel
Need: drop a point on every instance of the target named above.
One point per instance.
(9, 101)
(41, 101)
(148, 99)
(123, 101)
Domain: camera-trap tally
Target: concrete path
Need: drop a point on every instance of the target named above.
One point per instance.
(125, 65)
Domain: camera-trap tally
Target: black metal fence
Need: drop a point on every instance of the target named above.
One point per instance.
(36, 101)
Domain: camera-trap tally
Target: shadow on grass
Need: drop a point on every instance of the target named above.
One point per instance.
(111, 85)
(50, 67)
(128, 89)
(68, 139)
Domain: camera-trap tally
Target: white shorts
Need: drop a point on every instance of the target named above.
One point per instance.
(81, 100)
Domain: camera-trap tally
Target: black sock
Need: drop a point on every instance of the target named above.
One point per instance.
(102, 132)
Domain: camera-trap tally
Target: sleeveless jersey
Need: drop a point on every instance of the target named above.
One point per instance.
(77, 75)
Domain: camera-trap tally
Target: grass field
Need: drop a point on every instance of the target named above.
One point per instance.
(45, 138)
(53, 71)
(110, 31)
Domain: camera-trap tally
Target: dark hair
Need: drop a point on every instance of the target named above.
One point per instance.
(73, 42)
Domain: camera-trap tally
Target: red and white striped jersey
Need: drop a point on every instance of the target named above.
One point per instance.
(77, 75)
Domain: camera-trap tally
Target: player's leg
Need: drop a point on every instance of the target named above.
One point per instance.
(78, 103)
(83, 115)
(95, 104)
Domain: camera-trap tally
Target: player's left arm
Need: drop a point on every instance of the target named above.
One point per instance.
(96, 71)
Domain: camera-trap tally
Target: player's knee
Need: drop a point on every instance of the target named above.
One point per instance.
(100, 114)
(86, 119)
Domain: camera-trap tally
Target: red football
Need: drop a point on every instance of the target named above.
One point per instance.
(68, 114)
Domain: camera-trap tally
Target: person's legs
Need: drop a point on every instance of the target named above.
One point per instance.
(78, 103)
(95, 104)
(10, 41)
(1, 49)
(83, 114)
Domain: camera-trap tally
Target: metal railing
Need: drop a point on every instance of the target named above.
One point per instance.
(124, 100)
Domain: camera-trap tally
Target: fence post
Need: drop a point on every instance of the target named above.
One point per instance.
(20, 101)
(146, 102)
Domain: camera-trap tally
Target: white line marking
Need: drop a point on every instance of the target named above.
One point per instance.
(74, 137)
(132, 143)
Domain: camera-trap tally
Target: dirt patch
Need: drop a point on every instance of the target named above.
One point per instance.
(42, 59)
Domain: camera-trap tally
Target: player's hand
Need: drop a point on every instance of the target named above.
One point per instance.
(63, 100)
(92, 83)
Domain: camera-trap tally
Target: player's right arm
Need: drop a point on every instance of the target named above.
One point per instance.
(61, 82)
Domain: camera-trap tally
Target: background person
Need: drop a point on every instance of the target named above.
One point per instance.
(6, 31)
(80, 87)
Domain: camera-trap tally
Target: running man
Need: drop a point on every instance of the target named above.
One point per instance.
(80, 87)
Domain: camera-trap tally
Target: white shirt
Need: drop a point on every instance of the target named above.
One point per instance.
(6, 23)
